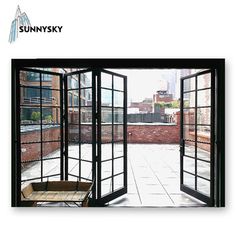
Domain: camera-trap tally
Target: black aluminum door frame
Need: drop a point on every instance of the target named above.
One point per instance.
(122, 63)
(209, 200)
(101, 200)
(65, 92)
(18, 125)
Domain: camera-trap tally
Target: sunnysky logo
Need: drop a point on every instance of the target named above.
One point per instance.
(21, 19)
(21, 24)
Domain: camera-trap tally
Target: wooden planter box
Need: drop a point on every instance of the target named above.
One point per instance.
(56, 191)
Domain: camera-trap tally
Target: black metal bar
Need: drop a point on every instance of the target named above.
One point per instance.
(112, 137)
(44, 141)
(125, 135)
(196, 107)
(212, 137)
(66, 125)
(99, 137)
(220, 134)
(181, 130)
(17, 142)
(46, 176)
(112, 176)
(196, 194)
(82, 88)
(83, 178)
(38, 87)
(37, 105)
(41, 126)
(110, 89)
(113, 159)
(61, 128)
(41, 71)
(94, 135)
(196, 74)
(77, 159)
(44, 159)
(79, 82)
(201, 89)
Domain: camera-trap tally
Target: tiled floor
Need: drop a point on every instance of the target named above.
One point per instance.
(153, 176)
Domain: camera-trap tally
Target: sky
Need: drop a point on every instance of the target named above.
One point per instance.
(143, 83)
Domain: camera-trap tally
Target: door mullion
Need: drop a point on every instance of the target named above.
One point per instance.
(66, 125)
(61, 128)
(98, 119)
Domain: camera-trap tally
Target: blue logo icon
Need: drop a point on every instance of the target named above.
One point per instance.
(21, 19)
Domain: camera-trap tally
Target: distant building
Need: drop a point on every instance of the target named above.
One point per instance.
(162, 96)
(146, 106)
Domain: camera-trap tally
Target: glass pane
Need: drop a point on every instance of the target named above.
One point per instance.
(189, 149)
(189, 84)
(204, 134)
(106, 97)
(189, 116)
(189, 132)
(106, 169)
(118, 165)
(106, 115)
(118, 83)
(118, 132)
(32, 171)
(51, 132)
(86, 79)
(51, 149)
(73, 150)
(86, 133)
(51, 167)
(30, 96)
(86, 97)
(189, 100)
(118, 99)
(30, 133)
(106, 151)
(106, 187)
(30, 152)
(204, 116)
(118, 149)
(189, 180)
(106, 80)
(73, 133)
(189, 164)
(86, 115)
(73, 82)
(118, 115)
(203, 169)
(204, 97)
(118, 181)
(73, 166)
(55, 80)
(106, 132)
(30, 115)
(86, 152)
(204, 81)
(203, 186)
(86, 170)
(203, 151)
(26, 77)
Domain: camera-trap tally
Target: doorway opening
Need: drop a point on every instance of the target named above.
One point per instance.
(82, 125)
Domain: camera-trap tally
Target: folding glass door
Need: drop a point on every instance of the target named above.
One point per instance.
(198, 135)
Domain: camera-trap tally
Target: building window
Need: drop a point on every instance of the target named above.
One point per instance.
(34, 77)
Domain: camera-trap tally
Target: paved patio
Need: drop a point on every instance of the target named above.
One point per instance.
(153, 176)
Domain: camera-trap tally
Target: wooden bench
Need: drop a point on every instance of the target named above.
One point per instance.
(57, 191)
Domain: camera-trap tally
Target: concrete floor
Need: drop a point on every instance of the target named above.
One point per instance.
(153, 176)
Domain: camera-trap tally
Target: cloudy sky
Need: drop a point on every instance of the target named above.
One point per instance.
(143, 83)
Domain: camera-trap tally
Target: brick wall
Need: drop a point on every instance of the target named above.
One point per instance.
(160, 134)
(33, 151)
